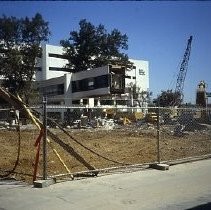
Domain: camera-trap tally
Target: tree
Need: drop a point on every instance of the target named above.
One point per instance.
(166, 98)
(141, 96)
(92, 46)
(20, 41)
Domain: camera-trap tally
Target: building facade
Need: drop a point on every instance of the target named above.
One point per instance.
(87, 87)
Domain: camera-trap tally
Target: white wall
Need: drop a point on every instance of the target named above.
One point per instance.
(68, 89)
(51, 62)
(141, 73)
(90, 73)
(142, 80)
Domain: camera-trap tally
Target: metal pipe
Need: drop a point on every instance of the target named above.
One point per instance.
(144, 165)
(44, 138)
(158, 135)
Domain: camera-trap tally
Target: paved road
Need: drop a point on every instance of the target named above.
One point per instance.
(182, 187)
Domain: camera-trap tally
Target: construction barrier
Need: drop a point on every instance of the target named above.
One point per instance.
(85, 141)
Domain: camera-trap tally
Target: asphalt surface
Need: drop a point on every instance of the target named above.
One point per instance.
(184, 186)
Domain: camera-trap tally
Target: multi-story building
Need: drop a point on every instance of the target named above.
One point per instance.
(87, 87)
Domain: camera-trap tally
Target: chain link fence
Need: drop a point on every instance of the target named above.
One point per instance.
(184, 132)
(83, 139)
(17, 138)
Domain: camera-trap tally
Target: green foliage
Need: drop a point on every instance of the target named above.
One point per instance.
(138, 94)
(20, 41)
(167, 98)
(92, 47)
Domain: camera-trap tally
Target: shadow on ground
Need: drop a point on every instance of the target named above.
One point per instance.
(11, 181)
(206, 206)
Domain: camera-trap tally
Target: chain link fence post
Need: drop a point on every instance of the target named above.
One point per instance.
(44, 138)
(158, 134)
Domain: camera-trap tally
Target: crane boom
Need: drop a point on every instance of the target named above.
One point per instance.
(182, 74)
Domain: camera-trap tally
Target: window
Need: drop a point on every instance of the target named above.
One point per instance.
(76, 102)
(60, 89)
(38, 68)
(55, 115)
(128, 77)
(121, 102)
(83, 85)
(74, 88)
(53, 55)
(57, 69)
(90, 83)
(101, 81)
(53, 90)
(107, 102)
(61, 69)
(85, 101)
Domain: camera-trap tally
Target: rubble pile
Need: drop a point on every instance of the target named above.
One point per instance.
(188, 123)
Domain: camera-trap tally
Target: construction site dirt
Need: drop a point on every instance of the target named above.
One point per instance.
(114, 147)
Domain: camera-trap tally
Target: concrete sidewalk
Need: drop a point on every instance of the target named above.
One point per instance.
(181, 187)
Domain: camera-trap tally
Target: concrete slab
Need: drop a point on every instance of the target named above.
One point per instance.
(160, 166)
(185, 186)
(44, 183)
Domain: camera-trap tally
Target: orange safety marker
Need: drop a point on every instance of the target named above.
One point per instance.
(37, 144)
(39, 138)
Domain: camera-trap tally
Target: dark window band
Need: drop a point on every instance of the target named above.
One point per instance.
(90, 83)
(57, 56)
(59, 69)
(53, 90)
(38, 68)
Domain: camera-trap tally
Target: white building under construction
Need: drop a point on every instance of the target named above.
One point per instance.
(92, 87)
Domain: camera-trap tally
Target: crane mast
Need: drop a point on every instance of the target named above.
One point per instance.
(182, 74)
